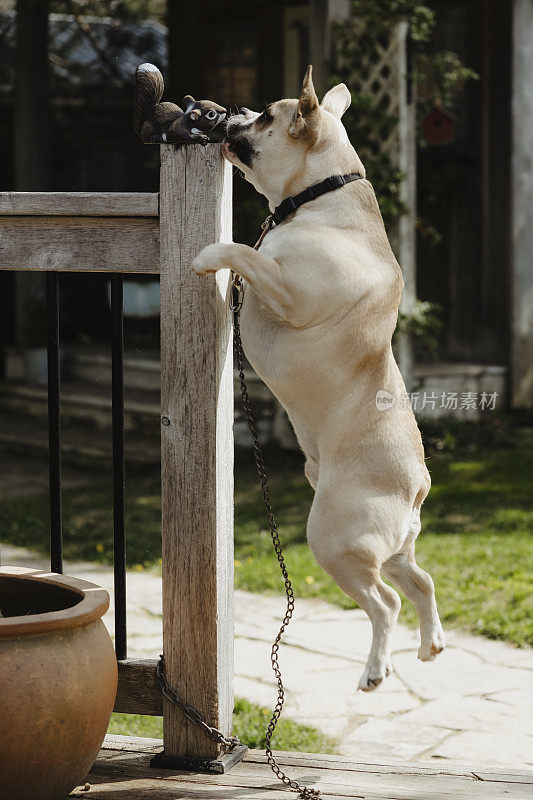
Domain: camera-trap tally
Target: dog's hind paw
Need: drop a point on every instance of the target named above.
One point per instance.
(429, 650)
(373, 676)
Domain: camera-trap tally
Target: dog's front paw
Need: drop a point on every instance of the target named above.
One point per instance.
(209, 260)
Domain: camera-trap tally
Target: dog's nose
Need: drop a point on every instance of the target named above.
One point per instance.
(244, 111)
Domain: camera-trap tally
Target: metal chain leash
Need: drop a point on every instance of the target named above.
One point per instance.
(190, 713)
(305, 792)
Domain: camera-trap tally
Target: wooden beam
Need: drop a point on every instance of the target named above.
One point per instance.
(406, 222)
(80, 204)
(79, 244)
(196, 448)
(521, 316)
(138, 688)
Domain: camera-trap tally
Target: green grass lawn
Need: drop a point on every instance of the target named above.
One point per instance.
(249, 724)
(476, 540)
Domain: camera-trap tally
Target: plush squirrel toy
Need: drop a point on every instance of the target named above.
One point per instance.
(157, 122)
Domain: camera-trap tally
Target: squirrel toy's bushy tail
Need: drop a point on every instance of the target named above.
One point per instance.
(149, 88)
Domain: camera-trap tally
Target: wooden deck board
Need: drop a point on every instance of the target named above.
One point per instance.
(123, 771)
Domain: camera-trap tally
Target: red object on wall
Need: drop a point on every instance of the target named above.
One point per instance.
(438, 126)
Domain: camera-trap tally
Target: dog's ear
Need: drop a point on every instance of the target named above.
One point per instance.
(308, 111)
(188, 100)
(337, 100)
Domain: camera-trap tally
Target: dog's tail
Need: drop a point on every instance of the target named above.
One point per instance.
(149, 88)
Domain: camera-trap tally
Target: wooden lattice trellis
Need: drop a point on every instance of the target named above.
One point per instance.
(373, 65)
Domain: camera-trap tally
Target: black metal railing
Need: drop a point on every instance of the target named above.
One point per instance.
(119, 480)
(54, 422)
(54, 439)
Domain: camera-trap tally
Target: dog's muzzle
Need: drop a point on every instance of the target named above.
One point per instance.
(238, 145)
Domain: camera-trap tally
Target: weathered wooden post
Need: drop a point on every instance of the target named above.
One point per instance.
(406, 159)
(196, 449)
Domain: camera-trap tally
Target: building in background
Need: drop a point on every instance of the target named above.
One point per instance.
(474, 174)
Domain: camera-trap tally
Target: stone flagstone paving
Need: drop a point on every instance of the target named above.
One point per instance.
(473, 705)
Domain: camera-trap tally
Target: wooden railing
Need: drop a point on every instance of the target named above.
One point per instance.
(161, 233)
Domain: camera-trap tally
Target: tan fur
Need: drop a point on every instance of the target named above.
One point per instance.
(320, 308)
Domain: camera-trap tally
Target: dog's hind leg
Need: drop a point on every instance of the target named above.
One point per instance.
(310, 450)
(311, 471)
(403, 571)
(344, 548)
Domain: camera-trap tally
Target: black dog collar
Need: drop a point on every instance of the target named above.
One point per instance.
(291, 204)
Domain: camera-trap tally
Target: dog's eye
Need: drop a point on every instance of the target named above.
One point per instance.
(265, 117)
(211, 114)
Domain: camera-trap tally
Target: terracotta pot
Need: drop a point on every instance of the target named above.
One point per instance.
(58, 680)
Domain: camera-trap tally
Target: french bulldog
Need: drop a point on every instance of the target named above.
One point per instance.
(320, 306)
